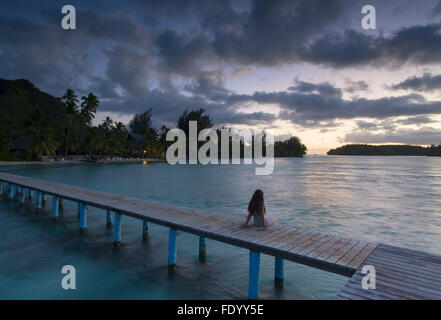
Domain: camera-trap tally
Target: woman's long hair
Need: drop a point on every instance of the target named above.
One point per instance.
(256, 203)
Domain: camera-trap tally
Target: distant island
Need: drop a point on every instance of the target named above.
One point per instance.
(385, 150)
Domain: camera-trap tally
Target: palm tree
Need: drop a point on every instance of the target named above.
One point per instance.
(44, 141)
(108, 123)
(163, 137)
(70, 101)
(87, 113)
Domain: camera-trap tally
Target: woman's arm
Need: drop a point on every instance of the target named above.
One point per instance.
(248, 220)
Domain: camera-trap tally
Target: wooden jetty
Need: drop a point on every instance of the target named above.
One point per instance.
(399, 273)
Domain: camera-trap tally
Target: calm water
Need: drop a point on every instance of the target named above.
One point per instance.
(396, 200)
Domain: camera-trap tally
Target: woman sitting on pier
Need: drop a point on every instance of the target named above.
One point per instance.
(256, 209)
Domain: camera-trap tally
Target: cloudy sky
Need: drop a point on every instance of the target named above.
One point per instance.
(302, 67)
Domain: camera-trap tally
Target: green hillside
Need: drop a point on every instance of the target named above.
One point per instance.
(19, 101)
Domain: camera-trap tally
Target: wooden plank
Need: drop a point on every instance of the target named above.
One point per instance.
(287, 239)
(325, 255)
(318, 244)
(400, 274)
(347, 258)
(407, 268)
(362, 255)
(414, 288)
(308, 242)
(333, 243)
(342, 251)
(297, 240)
(376, 294)
(428, 280)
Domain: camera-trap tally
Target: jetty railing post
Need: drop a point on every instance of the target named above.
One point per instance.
(60, 204)
(109, 218)
(117, 229)
(172, 248)
(279, 274)
(10, 192)
(145, 229)
(202, 248)
(21, 196)
(253, 288)
(55, 201)
(38, 201)
(1, 188)
(83, 216)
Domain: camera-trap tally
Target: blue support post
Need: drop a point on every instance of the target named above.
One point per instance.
(145, 230)
(117, 230)
(202, 248)
(30, 194)
(253, 289)
(43, 198)
(55, 201)
(172, 248)
(279, 274)
(21, 196)
(109, 218)
(38, 201)
(83, 216)
(10, 192)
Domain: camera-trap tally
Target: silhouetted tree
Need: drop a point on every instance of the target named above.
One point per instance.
(70, 102)
(292, 147)
(87, 113)
(203, 121)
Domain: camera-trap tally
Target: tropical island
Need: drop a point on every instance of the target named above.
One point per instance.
(385, 150)
(37, 125)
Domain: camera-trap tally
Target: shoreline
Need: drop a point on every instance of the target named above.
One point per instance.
(55, 162)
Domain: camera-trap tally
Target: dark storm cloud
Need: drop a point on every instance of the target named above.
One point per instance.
(437, 9)
(168, 104)
(128, 68)
(36, 51)
(209, 84)
(313, 105)
(366, 125)
(416, 44)
(179, 54)
(281, 32)
(416, 120)
(273, 31)
(324, 89)
(129, 52)
(427, 82)
(356, 86)
(425, 136)
(391, 125)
